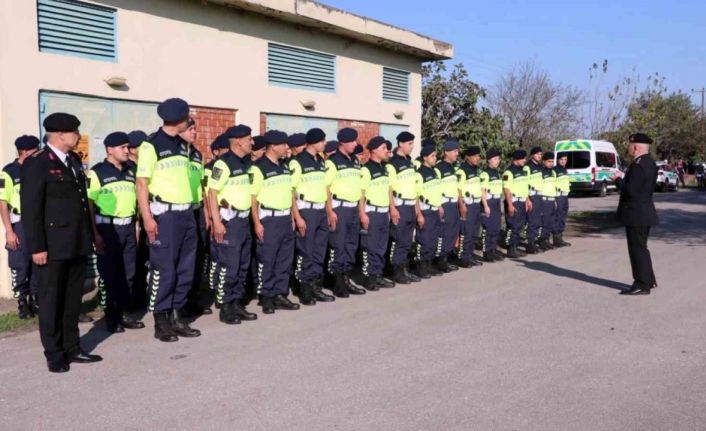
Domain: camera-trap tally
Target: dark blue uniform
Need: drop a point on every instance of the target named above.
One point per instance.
(402, 234)
(451, 222)
(534, 217)
(470, 227)
(516, 223)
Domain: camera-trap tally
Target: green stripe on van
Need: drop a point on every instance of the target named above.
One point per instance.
(573, 145)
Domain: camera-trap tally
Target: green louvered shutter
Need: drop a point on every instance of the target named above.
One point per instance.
(76, 28)
(301, 68)
(395, 85)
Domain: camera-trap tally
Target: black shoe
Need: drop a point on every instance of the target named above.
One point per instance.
(318, 294)
(410, 275)
(163, 328)
(489, 257)
(114, 327)
(636, 290)
(82, 357)
(399, 276)
(371, 283)
(227, 314)
(281, 302)
(267, 305)
(181, 328)
(433, 270)
(478, 260)
(441, 265)
(340, 290)
(306, 293)
(33, 305)
(498, 256)
(130, 323)
(192, 309)
(531, 249)
(352, 288)
(466, 262)
(562, 243)
(84, 318)
(452, 267)
(512, 252)
(59, 366)
(423, 270)
(520, 252)
(383, 283)
(24, 312)
(244, 314)
(545, 245)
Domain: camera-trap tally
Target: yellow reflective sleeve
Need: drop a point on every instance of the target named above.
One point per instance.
(94, 185)
(295, 171)
(391, 174)
(256, 179)
(364, 178)
(219, 176)
(330, 172)
(146, 160)
(6, 187)
(508, 180)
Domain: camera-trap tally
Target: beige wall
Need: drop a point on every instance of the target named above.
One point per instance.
(208, 54)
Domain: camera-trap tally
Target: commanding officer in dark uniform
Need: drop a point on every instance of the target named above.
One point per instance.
(471, 194)
(534, 208)
(309, 211)
(636, 211)
(548, 201)
(516, 190)
(59, 237)
(450, 222)
(165, 202)
(24, 285)
(492, 184)
(111, 190)
(563, 187)
(402, 175)
(230, 199)
(272, 222)
(428, 180)
(343, 178)
(374, 214)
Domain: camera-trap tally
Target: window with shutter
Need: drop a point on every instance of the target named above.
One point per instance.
(395, 85)
(301, 68)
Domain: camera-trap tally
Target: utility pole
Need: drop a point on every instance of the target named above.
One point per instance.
(702, 91)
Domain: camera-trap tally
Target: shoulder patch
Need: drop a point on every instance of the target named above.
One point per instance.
(506, 177)
(217, 172)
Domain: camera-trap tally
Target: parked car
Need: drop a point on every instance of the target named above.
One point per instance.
(592, 165)
(667, 179)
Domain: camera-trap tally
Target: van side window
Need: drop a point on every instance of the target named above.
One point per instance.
(605, 160)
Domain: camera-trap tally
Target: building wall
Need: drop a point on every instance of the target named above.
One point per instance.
(210, 55)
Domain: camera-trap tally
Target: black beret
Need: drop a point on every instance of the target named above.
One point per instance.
(519, 154)
(221, 142)
(493, 152)
(331, 146)
(61, 122)
(315, 135)
(275, 137)
(535, 150)
(347, 134)
(472, 151)
(239, 131)
(426, 150)
(358, 149)
(640, 138)
(173, 110)
(451, 145)
(190, 122)
(548, 155)
(116, 139)
(428, 142)
(26, 142)
(405, 137)
(296, 140)
(375, 142)
(136, 138)
(258, 143)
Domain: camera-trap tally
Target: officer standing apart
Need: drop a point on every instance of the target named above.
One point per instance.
(534, 207)
(402, 174)
(374, 212)
(548, 201)
(343, 179)
(563, 187)
(516, 189)
(471, 195)
(636, 211)
(112, 198)
(492, 184)
(309, 210)
(272, 222)
(24, 285)
(450, 222)
(229, 199)
(165, 202)
(428, 180)
(59, 237)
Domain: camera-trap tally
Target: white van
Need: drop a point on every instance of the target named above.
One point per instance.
(591, 164)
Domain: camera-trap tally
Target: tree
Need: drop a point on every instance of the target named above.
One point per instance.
(452, 108)
(536, 110)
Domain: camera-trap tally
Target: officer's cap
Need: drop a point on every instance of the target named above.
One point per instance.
(426, 150)
(275, 137)
(519, 154)
(548, 155)
(221, 142)
(535, 150)
(493, 152)
(375, 142)
(258, 143)
(190, 122)
(26, 142)
(358, 149)
(472, 151)
(331, 147)
(116, 139)
(405, 137)
(239, 131)
(347, 134)
(640, 138)
(296, 140)
(136, 138)
(428, 142)
(451, 145)
(315, 135)
(61, 122)
(173, 110)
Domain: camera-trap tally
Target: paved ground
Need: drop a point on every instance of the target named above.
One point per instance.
(542, 343)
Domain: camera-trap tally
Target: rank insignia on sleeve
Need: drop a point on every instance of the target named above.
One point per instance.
(506, 177)
(217, 172)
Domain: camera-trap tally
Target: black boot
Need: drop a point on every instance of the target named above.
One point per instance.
(163, 328)
(383, 283)
(466, 262)
(498, 256)
(306, 293)
(371, 283)
(531, 248)
(339, 285)
(441, 265)
(352, 289)
(559, 241)
(24, 312)
(478, 260)
(33, 305)
(399, 276)
(182, 328)
(267, 306)
(227, 314)
(130, 323)
(512, 252)
(423, 270)
(242, 313)
(318, 293)
(544, 244)
(281, 302)
(489, 257)
(410, 275)
(433, 270)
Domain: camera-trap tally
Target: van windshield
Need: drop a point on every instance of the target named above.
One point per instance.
(576, 159)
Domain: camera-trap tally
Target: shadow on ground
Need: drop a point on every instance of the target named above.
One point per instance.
(571, 274)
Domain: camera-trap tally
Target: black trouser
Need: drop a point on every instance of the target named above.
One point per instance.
(202, 246)
(138, 292)
(116, 267)
(640, 259)
(60, 291)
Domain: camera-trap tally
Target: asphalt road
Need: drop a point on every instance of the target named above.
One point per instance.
(541, 343)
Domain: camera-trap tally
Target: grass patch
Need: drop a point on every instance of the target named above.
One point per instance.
(11, 322)
(588, 222)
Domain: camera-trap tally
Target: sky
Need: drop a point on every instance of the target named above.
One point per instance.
(563, 37)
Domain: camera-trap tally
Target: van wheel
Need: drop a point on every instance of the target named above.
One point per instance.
(603, 191)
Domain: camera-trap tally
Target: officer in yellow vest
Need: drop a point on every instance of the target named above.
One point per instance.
(428, 180)
(112, 197)
(534, 208)
(492, 185)
(24, 285)
(272, 222)
(229, 200)
(218, 147)
(343, 179)
(471, 194)
(374, 212)
(450, 222)
(548, 201)
(516, 190)
(563, 187)
(309, 209)
(165, 201)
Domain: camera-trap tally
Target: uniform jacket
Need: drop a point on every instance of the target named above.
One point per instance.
(636, 207)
